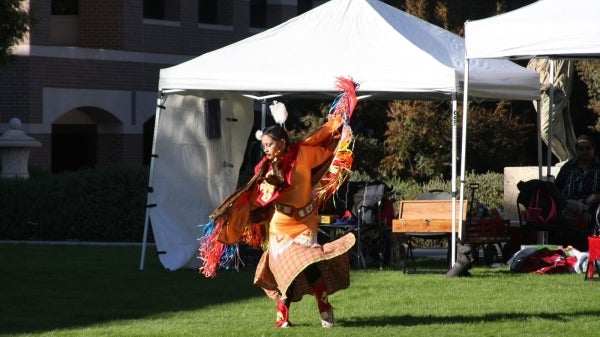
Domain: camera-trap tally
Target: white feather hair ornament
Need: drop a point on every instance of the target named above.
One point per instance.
(258, 134)
(279, 112)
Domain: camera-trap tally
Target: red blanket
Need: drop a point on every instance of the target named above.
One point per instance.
(546, 261)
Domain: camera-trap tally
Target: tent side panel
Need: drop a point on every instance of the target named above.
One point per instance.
(200, 145)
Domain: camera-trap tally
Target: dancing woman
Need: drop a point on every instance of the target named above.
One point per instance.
(290, 183)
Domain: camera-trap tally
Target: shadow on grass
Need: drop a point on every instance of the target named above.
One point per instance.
(425, 265)
(51, 287)
(409, 320)
(48, 288)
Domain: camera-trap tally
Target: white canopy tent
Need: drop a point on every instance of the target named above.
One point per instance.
(391, 54)
(561, 28)
(565, 29)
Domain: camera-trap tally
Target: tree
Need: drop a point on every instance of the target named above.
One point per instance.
(15, 19)
(496, 138)
(589, 72)
(417, 141)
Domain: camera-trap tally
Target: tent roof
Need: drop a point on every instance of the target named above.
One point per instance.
(566, 28)
(389, 52)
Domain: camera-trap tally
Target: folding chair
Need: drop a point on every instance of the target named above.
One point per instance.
(540, 206)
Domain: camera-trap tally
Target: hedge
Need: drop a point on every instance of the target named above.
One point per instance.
(103, 204)
(108, 203)
(489, 191)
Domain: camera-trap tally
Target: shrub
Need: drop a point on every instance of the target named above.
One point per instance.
(108, 203)
(103, 204)
(490, 191)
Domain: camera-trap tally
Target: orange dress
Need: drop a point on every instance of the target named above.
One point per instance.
(293, 242)
(312, 172)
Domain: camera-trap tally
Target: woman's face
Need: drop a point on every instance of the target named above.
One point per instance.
(272, 148)
(585, 151)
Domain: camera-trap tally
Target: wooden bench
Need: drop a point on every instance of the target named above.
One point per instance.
(426, 219)
(431, 219)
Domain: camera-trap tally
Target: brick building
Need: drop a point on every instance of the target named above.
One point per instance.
(85, 81)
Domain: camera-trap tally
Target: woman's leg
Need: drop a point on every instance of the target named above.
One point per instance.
(283, 310)
(317, 282)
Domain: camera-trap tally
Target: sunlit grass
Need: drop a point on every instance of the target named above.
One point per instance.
(52, 290)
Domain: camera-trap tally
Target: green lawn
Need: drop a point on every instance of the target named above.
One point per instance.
(56, 290)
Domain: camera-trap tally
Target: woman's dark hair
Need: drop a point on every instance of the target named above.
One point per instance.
(277, 132)
(583, 139)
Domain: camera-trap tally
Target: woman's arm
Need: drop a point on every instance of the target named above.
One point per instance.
(326, 134)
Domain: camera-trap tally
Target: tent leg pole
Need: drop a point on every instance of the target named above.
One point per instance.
(263, 116)
(539, 139)
(463, 150)
(160, 105)
(144, 243)
(453, 184)
(550, 116)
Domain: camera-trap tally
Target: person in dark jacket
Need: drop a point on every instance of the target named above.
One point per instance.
(579, 180)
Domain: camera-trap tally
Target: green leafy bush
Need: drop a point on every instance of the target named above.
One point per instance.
(108, 203)
(490, 190)
(103, 204)
(489, 193)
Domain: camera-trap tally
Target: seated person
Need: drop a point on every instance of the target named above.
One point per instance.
(579, 181)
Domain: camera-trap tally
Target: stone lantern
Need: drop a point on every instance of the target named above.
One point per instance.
(15, 146)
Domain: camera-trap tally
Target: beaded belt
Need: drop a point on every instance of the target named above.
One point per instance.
(298, 213)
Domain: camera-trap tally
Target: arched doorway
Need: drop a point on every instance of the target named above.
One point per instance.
(83, 138)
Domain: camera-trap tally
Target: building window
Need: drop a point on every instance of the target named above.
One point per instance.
(154, 9)
(162, 10)
(65, 7)
(64, 22)
(258, 13)
(215, 12)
